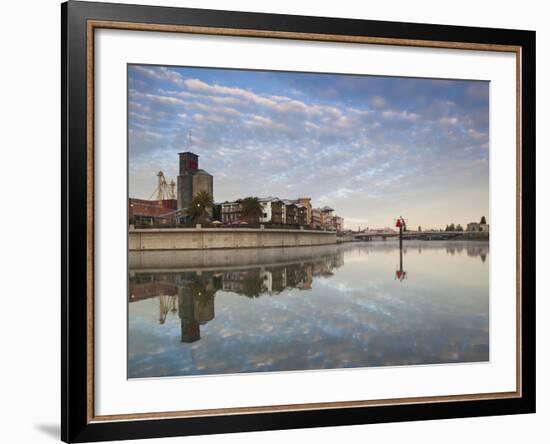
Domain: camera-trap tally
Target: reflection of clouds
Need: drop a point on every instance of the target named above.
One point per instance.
(358, 317)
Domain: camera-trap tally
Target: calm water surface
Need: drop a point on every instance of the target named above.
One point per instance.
(350, 305)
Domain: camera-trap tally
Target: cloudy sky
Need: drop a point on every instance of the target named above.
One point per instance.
(373, 148)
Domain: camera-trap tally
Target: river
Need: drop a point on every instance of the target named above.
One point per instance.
(339, 306)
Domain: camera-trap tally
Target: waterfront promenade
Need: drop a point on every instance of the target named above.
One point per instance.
(223, 238)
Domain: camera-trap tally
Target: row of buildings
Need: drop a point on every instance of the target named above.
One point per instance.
(170, 208)
(276, 211)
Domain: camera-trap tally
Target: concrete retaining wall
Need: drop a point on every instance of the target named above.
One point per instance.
(215, 238)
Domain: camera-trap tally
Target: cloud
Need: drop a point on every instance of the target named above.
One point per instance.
(371, 145)
(448, 121)
(378, 102)
(400, 115)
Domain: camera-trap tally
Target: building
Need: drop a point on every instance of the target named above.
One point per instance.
(301, 214)
(337, 223)
(231, 212)
(192, 180)
(316, 218)
(150, 212)
(276, 211)
(272, 210)
(326, 217)
(306, 202)
(290, 212)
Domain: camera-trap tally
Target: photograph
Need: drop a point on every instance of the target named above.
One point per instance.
(273, 220)
(297, 221)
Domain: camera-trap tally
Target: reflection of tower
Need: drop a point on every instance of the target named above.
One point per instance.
(204, 290)
(204, 309)
(190, 329)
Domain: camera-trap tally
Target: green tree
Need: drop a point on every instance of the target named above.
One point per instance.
(459, 228)
(217, 212)
(419, 228)
(252, 209)
(200, 206)
(483, 221)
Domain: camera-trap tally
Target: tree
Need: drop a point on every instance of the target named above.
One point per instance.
(483, 221)
(200, 206)
(252, 209)
(419, 228)
(217, 212)
(459, 228)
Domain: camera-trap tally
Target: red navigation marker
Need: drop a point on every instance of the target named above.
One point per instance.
(398, 223)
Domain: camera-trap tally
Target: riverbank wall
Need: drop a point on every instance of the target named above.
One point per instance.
(224, 238)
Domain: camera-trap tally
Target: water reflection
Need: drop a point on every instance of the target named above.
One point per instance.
(310, 308)
(401, 274)
(193, 292)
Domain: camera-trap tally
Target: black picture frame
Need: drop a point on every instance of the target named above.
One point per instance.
(76, 424)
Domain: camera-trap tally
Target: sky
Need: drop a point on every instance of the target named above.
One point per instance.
(373, 148)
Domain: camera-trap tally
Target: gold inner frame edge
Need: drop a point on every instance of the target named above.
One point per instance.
(92, 25)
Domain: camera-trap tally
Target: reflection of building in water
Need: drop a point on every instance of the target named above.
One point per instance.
(269, 280)
(307, 277)
(249, 282)
(190, 328)
(148, 285)
(278, 276)
(196, 303)
(191, 294)
(471, 250)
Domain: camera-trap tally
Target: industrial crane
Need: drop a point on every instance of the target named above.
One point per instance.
(165, 190)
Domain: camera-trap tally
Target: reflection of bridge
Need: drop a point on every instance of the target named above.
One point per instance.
(412, 235)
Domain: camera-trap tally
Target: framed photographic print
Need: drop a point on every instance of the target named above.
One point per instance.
(276, 221)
